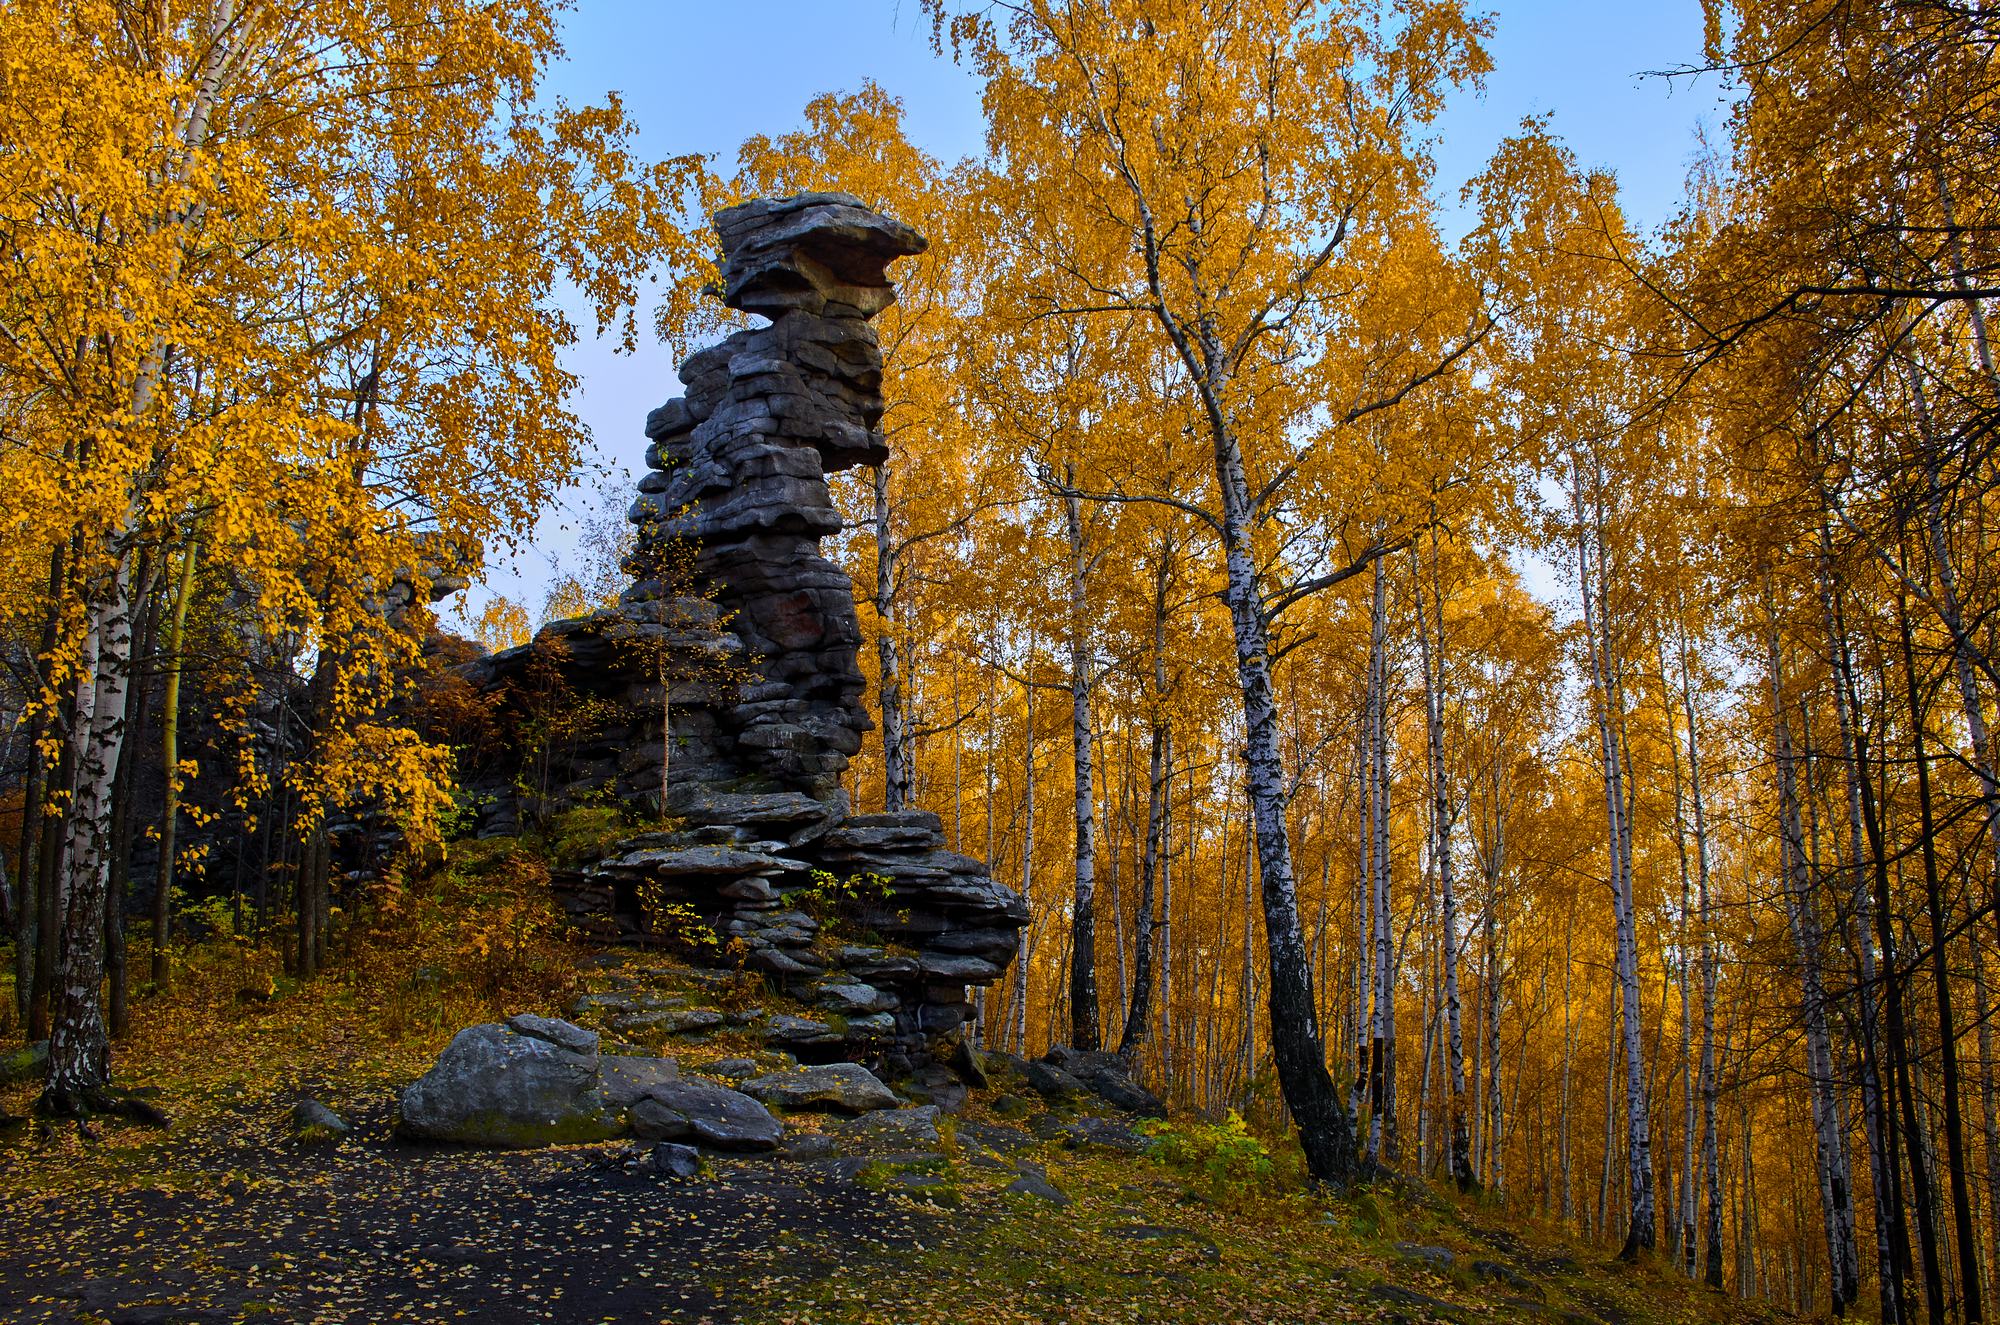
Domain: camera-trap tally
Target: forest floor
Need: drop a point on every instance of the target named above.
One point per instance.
(226, 1216)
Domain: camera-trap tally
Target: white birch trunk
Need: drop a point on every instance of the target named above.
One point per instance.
(1641, 1230)
(1083, 917)
(895, 761)
(1830, 1147)
(1027, 873)
(79, 1065)
(1431, 644)
(1710, 1157)
(1382, 1053)
(1684, 1214)
(1309, 1091)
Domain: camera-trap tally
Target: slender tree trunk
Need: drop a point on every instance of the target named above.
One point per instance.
(314, 890)
(1963, 669)
(1364, 905)
(1610, 1120)
(1954, 1126)
(1496, 944)
(119, 1000)
(170, 756)
(1711, 1163)
(1382, 1047)
(1020, 1008)
(1639, 1153)
(1746, 1222)
(979, 1001)
(1164, 930)
(895, 784)
(1989, 1103)
(1568, 1059)
(1898, 1037)
(1431, 645)
(1247, 1048)
(1830, 1149)
(1684, 1217)
(1138, 1016)
(1892, 1240)
(1325, 1131)
(1117, 811)
(1427, 1037)
(1083, 918)
(79, 1065)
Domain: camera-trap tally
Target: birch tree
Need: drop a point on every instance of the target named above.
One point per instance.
(276, 214)
(1240, 206)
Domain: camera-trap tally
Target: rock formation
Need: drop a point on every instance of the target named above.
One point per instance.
(741, 637)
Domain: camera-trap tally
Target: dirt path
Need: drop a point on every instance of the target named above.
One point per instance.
(378, 1230)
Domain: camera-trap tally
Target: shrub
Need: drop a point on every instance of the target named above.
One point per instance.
(1226, 1155)
(823, 897)
(486, 928)
(679, 924)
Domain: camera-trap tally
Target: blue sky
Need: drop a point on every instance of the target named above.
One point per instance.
(697, 76)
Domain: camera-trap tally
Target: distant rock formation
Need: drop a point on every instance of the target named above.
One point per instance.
(738, 628)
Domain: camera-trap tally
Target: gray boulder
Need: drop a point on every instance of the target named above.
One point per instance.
(673, 1021)
(810, 1146)
(531, 1082)
(713, 1114)
(1107, 1077)
(562, 1034)
(970, 1064)
(833, 1087)
(852, 997)
(1106, 1132)
(1052, 1083)
(674, 1160)
(624, 1081)
(890, 1129)
(28, 1063)
(785, 1028)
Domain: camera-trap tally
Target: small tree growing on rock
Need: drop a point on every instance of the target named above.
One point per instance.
(671, 626)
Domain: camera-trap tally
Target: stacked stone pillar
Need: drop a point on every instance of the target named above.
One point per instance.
(763, 648)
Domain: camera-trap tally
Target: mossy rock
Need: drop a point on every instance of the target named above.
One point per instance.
(28, 1063)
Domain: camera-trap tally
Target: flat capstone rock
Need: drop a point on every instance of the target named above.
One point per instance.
(830, 1087)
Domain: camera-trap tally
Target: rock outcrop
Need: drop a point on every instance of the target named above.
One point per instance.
(738, 641)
